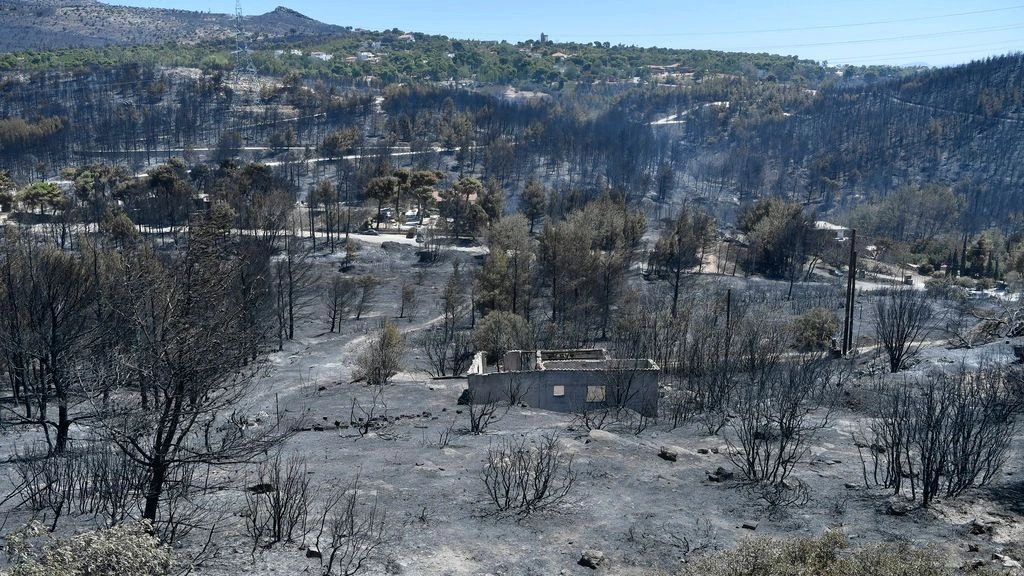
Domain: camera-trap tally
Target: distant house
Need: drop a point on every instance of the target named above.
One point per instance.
(830, 231)
(367, 57)
(295, 52)
(512, 94)
(322, 56)
(567, 380)
(406, 38)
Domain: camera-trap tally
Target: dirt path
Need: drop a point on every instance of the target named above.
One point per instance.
(306, 364)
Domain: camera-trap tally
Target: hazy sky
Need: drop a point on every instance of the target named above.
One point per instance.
(935, 32)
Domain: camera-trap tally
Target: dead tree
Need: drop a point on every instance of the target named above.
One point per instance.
(337, 297)
(350, 532)
(521, 479)
(944, 434)
(192, 346)
(778, 411)
(902, 318)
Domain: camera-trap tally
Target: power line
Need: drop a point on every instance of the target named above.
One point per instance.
(902, 55)
(755, 31)
(834, 26)
(886, 38)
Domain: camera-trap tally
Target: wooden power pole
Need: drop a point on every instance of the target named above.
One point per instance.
(851, 291)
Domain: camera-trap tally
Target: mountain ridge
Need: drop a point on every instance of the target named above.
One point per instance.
(55, 24)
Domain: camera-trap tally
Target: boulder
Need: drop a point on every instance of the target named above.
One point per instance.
(591, 559)
(312, 552)
(261, 488)
(668, 453)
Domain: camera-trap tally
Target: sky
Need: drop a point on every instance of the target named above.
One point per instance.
(840, 32)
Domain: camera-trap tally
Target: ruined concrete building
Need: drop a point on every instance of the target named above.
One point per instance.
(566, 380)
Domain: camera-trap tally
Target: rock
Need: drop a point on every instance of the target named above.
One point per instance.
(852, 486)
(1006, 561)
(261, 488)
(668, 453)
(591, 559)
(973, 547)
(977, 528)
(898, 507)
(720, 475)
(703, 451)
(750, 525)
(312, 552)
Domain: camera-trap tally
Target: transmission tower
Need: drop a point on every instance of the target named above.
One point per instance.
(245, 70)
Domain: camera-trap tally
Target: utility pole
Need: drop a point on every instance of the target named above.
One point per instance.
(851, 291)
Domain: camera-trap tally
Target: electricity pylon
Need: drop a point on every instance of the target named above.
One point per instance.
(245, 71)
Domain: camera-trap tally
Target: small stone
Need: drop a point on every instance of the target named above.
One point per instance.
(973, 548)
(851, 486)
(312, 552)
(668, 453)
(703, 451)
(750, 525)
(1006, 561)
(591, 559)
(723, 474)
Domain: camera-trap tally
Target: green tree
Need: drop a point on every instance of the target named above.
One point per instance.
(460, 203)
(423, 184)
(533, 202)
(501, 331)
(42, 196)
(680, 248)
(382, 189)
(779, 235)
(814, 329)
(382, 359)
(492, 201)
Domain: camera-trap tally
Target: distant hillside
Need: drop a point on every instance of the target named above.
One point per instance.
(32, 25)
